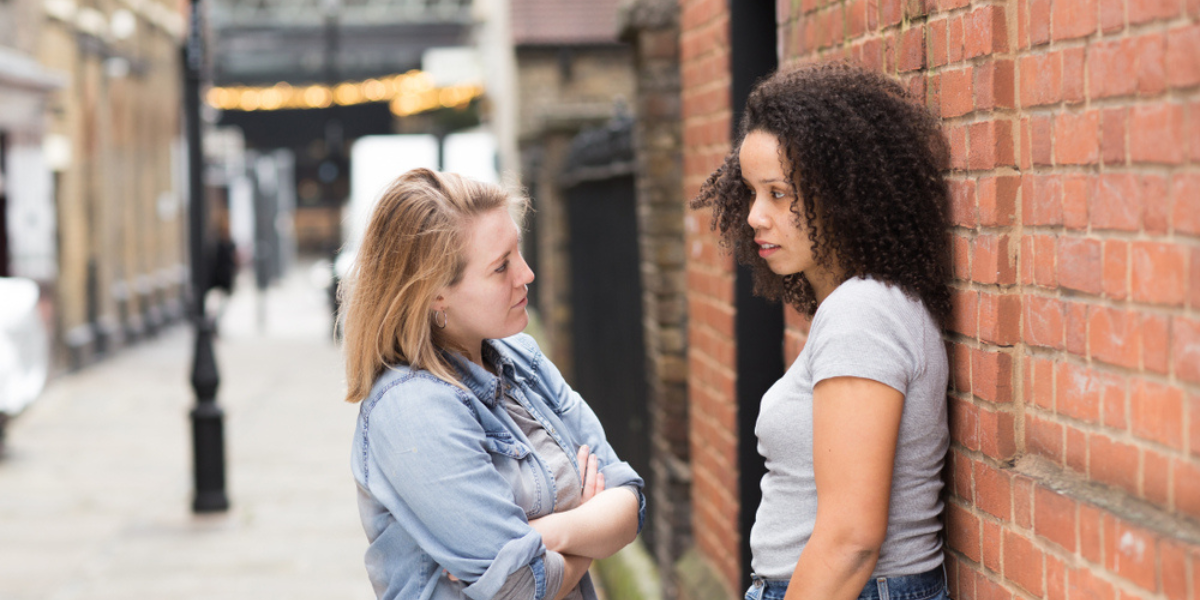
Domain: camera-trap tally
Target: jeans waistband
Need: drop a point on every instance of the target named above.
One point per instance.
(900, 587)
(905, 587)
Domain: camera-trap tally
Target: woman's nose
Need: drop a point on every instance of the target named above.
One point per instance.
(526, 274)
(756, 218)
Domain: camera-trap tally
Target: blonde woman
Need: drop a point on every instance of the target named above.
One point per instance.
(481, 473)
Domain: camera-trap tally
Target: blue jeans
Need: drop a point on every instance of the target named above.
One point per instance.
(930, 585)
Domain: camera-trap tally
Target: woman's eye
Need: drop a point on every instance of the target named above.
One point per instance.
(778, 195)
(503, 267)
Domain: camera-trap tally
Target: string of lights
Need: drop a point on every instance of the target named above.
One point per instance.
(406, 94)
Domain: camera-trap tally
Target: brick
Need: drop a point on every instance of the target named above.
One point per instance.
(1113, 337)
(964, 423)
(1174, 559)
(1131, 552)
(1156, 204)
(1041, 137)
(1022, 501)
(1143, 11)
(962, 531)
(1158, 413)
(1187, 486)
(1039, 22)
(1156, 134)
(994, 83)
(1193, 131)
(1040, 382)
(1041, 79)
(1194, 279)
(938, 37)
(1044, 322)
(1112, 69)
(1156, 343)
(992, 261)
(1079, 264)
(1185, 348)
(1073, 78)
(993, 491)
(1044, 438)
(957, 39)
(1077, 328)
(997, 200)
(1076, 191)
(1023, 563)
(1112, 135)
(999, 319)
(992, 376)
(1086, 586)
(1113, 463)
(991, 144)
(957, 137)
(1091, 528)
(1056, 579)
(997, 434)
(961, 482)
(991, 538)
(986, 589)
(1054, 518)
(964, 312)
(1185, 202)
(1115, 402)
(1074, 19)
(1156, 484)
(986, 31)
(1078, 393)
(1112, 15)
(1075, 451)
(1077, 138)
(956, 93)
(1117, 203)
(1116, 269)
(1150, 51)
(1183, 56)
(1159, 273)
(1043, 202)
(890, 12)
(912, 49)
(1045, 256)
(961, 246)
(1194, 424)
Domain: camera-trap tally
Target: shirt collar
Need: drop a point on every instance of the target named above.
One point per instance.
(483, 384)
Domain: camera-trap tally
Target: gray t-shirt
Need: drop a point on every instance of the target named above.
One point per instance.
(865, 329)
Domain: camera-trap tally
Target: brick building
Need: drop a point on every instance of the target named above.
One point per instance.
(1075, 345)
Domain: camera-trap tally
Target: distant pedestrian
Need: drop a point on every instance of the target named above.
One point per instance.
(481, 473)
(834, 195)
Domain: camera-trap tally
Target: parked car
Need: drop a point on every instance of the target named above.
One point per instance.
(24, 348)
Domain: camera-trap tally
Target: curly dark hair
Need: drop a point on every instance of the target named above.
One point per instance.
(867, 162)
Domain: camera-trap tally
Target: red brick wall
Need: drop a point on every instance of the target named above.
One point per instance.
(1075, 347)
(705, 83)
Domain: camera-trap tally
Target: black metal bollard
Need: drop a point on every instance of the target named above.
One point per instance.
(208, 436)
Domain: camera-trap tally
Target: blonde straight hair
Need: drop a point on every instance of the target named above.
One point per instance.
(413, 248)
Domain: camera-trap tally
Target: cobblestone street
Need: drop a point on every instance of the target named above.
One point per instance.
(95, 485)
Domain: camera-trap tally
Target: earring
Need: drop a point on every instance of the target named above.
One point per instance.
(443, 322)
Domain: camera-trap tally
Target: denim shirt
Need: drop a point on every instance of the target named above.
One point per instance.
(447, 482)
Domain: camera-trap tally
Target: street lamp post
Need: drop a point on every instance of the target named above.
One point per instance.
(208, 431)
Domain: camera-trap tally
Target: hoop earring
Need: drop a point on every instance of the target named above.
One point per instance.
(444, 321)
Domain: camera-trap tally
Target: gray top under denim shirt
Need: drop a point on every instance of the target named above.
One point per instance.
(872, 330)
(448, 481)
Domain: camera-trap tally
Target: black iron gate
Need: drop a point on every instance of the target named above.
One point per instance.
(606, 288)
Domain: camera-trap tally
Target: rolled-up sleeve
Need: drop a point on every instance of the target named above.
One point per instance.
(433, 474)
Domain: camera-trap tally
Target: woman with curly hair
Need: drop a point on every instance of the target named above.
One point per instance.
(834, 195)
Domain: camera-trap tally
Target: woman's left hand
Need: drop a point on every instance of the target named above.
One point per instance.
(593, 479)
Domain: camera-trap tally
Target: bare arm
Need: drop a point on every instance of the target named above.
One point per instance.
(856, 423)
(596, 529)
(573, 571)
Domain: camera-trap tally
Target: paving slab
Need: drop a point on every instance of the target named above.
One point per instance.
(96, 482)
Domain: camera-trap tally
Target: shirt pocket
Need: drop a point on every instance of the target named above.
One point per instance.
(520, 467)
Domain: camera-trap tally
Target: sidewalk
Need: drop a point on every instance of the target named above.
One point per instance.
(96, 483)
